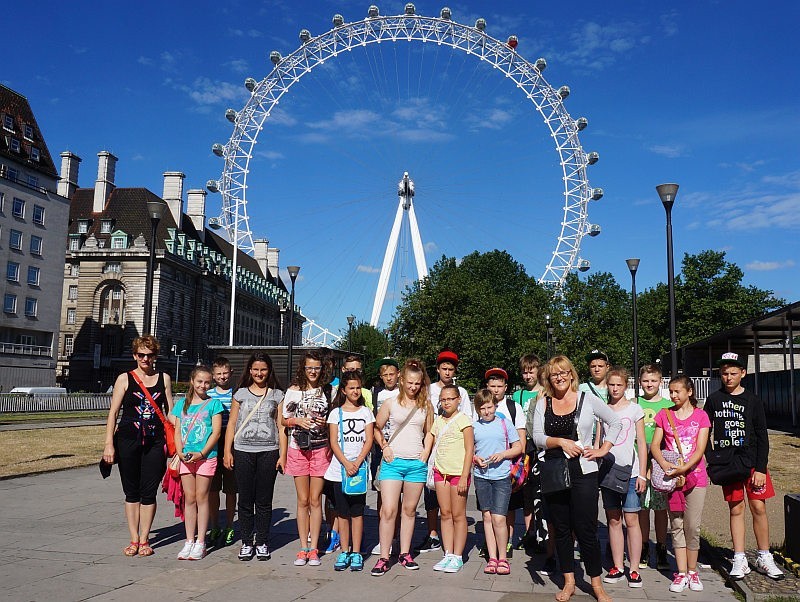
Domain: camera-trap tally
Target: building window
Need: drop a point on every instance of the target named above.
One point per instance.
(112, 267)
(83, 226)
(75, 270)
(12, 173)
(36, 155)
(2, 202)
(36, 245)
(14, 146)
(119, 242)
(8, 122)
(69, 343)
(73, 292)
(10, 303)
(12, 271)
(38, 215)
(74, 244)
(31, 307)
(70, 316)
(18, 208)
(112, 304)
(33, 275)
(28, 132)
(33, 181)
(105, 226)
(15, 240)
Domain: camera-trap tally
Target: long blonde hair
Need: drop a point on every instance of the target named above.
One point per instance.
(415, 366)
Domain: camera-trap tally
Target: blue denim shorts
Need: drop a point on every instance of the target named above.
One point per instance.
(627, 502)
(493, 495)
(401, 469)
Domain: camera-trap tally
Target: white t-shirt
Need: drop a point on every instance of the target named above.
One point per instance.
(383, 395)
(464, 406)
(624, 445)
(519, 418)
(354, 433)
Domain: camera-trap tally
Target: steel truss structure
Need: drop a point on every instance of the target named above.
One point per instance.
(375, 29)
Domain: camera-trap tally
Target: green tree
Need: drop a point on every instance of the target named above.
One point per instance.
(485, 308)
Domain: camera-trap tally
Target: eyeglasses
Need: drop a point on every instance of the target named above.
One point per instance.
(313, 368)
(449, 399)
(562, 375)
(145, 356)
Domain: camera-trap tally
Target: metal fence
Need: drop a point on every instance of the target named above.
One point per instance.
(54, 403)
(703, 385)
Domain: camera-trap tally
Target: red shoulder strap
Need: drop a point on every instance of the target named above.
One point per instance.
(147, 395)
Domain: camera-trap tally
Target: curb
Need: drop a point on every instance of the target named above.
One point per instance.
(719, 563)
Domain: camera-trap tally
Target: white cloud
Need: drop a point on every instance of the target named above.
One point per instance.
(669, 23)
(767, 266)
(145, 60)
(671, 151)
(353, 120)
(238, 65)
(205, 91)
(430, 246)
(137, 157)
(271, 155)
(281, 117)
(595, 46)
(367, 269)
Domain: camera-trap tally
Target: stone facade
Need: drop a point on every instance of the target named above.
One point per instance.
(105, 276)
(33, 228)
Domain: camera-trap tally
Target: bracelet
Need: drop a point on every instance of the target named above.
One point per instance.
(641, 477)
(202, 455)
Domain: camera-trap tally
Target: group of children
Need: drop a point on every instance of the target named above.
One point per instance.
(419, 437)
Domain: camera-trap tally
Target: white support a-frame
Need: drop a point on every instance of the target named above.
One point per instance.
(405, 205)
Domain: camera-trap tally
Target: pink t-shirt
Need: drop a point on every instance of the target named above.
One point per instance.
(688, 430)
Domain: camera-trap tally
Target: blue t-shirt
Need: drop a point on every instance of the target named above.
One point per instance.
(225, 399)
(490, 438)
(201, 426)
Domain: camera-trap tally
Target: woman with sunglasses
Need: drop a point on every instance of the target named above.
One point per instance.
(562, 426)
(305, 413)
(138, 443)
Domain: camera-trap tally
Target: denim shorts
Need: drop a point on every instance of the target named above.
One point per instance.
(493, 495)
(627, 502)
(401, 469)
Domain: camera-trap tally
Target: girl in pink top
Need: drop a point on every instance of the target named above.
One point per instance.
(692, 426)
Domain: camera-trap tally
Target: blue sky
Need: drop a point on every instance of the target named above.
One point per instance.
(704, 94)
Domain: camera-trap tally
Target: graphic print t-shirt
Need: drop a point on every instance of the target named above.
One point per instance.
(311, 403)
(354, 426)
(688, 430)
(626, 442)
(650, 409)
(260, 433)
(196, 440)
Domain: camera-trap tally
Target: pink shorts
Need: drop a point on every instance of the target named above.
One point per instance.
(308, 462)
(204, 468)
(450, 479)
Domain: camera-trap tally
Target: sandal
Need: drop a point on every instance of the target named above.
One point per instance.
(602, 596)
(491, 567)
(563, 596)
(132, 550)
(145, 549)
(503, 568)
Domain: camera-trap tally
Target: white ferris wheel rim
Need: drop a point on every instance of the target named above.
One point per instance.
(314, 51)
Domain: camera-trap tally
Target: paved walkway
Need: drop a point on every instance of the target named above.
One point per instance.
(51, 424)
(61, 536)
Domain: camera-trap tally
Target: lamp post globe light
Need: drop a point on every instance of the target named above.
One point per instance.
(667, 193)
(155, 209)
(350, 319)
(633, 265)
(293, 271)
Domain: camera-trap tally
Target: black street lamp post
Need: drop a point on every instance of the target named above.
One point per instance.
(155, 209)
(633, 265)
(549, 336)
(350, 319)
(293, 271)
(667, 194)
(283, 307)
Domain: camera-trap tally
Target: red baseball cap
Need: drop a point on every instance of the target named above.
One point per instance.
(496, 372)
(447, 356)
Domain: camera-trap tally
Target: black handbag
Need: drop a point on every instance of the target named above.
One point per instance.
(554, 470)
(615, 477)
(302, 437)
(728, 465)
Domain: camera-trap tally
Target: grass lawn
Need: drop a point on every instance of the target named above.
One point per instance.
(41, 450)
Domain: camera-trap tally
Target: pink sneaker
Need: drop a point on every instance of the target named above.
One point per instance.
(679, 583)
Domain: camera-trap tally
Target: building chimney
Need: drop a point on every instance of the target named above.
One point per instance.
(196, 210)
(69, 174)
(173, 194)
(260, 247)
(272, 261)
(106, 168)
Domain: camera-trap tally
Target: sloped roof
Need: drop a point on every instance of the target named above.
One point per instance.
(14, 104)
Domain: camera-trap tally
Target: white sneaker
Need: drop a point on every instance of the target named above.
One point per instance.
(442, 564)
(198, 551)
(766, 565)
(262, 552)
(376, 551)
(186, 550)
(740, 567)
(679, 583)
(246, 552)
(694, 582)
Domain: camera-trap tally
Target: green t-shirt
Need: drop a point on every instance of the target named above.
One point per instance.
(651, 408)
(524, 398)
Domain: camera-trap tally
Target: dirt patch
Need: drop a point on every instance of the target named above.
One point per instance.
(784, 458)
(41, 450)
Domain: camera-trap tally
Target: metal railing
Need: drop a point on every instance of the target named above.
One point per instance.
(19, 349)
(703, 385)
(11, 402)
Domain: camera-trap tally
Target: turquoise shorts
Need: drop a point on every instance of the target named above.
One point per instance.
(401, 469)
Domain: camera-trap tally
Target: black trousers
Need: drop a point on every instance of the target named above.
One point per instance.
(255, 477)
(141, 468)
(575, 510)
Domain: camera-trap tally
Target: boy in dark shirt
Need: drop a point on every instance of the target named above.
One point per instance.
(738, 420)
